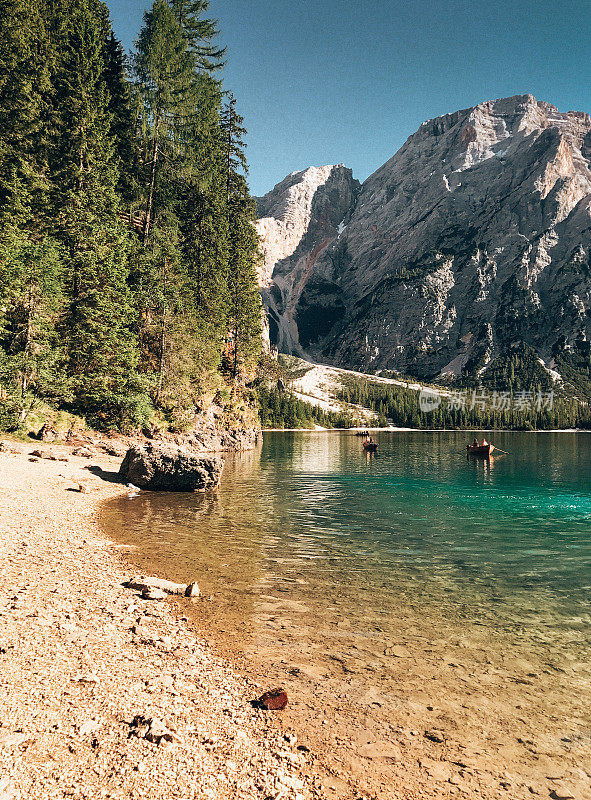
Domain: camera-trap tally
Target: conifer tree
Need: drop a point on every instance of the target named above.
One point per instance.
(91, 317)
(233, 132)
(24, 92)
(166, 86)
(101, 354)
(120, 110)
(30, 302)
(199, 33)
(244, 303)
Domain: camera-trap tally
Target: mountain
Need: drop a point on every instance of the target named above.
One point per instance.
(471, 241)
(298, 220)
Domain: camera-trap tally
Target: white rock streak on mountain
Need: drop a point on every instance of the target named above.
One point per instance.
(474, 236)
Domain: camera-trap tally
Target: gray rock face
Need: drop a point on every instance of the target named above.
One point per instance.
(475, 235)
(300, 218)
(166, 468)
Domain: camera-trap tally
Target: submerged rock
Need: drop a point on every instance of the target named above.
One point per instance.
(167, 468)
(150, 584)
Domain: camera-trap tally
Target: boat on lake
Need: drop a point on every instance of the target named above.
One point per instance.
(483, 450)
(370, 446)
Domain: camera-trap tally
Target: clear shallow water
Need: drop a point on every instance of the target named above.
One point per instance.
(366, 578)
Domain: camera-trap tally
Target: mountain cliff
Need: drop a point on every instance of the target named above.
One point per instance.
(473, 239)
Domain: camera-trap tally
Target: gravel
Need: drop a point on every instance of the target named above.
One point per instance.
(106, 694)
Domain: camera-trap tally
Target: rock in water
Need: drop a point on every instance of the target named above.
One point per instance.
(167, 468)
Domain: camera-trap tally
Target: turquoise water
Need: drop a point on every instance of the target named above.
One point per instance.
(448, 583)
(521, 521)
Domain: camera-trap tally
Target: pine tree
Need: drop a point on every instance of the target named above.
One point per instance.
(91, 317)
(120, 110)
(244, 303)
(24, 96)
(101, 354)
(199, 33)
(233, 146)
(30, 301)
(166, 86)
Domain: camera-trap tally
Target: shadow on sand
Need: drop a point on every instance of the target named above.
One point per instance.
(105, 475)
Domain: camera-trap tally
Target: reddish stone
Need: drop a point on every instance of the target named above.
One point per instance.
(275, 700)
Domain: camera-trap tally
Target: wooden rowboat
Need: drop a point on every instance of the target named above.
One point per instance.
(484, 450)
(370, 446)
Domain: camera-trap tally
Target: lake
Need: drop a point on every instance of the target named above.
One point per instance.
(428, 614)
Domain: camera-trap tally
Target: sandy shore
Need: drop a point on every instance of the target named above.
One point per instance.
(82, 658)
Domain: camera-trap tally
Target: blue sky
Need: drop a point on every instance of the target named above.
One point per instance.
(331, 81)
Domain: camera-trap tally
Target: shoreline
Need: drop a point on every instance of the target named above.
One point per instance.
(83, 658)
(393, 429)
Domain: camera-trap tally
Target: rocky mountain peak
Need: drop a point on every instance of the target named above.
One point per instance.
(473, 236)
(285, 213)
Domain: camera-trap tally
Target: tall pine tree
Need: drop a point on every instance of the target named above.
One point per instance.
(101, 354)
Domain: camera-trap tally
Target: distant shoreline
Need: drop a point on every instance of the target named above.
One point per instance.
(393, 429)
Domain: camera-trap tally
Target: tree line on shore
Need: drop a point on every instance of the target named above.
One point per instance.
(127, 252)
(282, 409)
(511, 409)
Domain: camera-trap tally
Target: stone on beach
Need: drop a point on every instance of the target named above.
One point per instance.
(435, 735)
(47, 454)
(154, 730)
(153, 594)
(147, 583)
(274, 700)
(561, 793)
(83, 452)
(170, 468)
(193, 590)
(47, 433)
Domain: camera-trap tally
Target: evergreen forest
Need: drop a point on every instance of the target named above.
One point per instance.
(128, 257)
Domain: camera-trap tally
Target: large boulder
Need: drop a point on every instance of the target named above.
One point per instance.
(167, 468)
